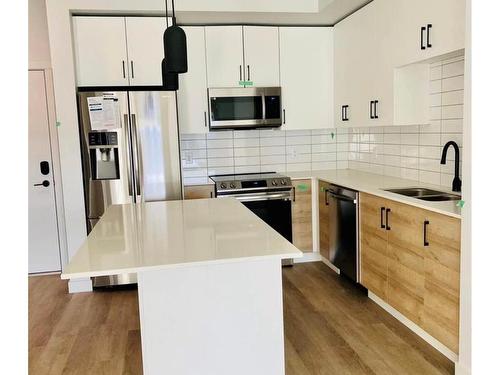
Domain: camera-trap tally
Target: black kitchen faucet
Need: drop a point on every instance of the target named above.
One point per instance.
(457, 183)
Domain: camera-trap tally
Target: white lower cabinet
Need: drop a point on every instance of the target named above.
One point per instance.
(192, 94)
(306, 75)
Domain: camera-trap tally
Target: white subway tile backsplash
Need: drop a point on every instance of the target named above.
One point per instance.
(453, 69)
(272, 141)
(298, 149)
(220, 170)
(429, 177)
(220, 162)
(194, 144)
(247, 160)
(327, 138)
(324, 156)
(430, 139)
(453, 112)
(430, 152)
(194, 163)
(246, 142)
(247, 169)
(453, 83)
(195, 172)
(324, 147)
(432, 165)
(298, 167)
(219, 152)
(272, 150)
(273, 159)
(453, 97)
(452, 126)
(298, 158)
(246, 151)
(224, 134)
(247, 134)
(219, 143)
(434, 87)
(321, 165)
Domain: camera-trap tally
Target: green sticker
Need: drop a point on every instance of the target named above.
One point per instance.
(245, 83)
(58, 124)
(302, 187)
(460, 203)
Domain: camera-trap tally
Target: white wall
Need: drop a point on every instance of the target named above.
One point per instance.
(38, 35)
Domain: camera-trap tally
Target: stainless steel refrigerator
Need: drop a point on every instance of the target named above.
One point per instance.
(136, 160)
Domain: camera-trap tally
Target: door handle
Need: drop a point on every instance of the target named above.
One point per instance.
(426, 243)
(387, 227)
(382, 210)
(422, 30)
(44, 183)
(128, 163)
(138, 157)
(429, 26)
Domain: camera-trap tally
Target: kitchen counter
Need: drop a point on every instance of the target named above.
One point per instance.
(208, 278)
(131, 238)
(375, 184)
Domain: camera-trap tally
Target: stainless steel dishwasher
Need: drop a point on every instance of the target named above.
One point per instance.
(344, 225)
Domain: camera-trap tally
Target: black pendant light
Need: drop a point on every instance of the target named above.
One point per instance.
(174, 45)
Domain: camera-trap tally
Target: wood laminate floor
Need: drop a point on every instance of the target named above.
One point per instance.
(330, 328)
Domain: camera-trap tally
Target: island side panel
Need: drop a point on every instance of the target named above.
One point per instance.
(213, 319)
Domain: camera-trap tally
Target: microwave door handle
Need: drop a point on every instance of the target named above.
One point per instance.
(264, 114)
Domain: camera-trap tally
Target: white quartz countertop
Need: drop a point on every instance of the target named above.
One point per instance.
(376, 184)
(157, 235)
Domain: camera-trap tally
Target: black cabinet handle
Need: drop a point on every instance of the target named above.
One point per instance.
(426, 243)
(346, 116)
(293, 188)
(429, 26)
(375, 105)
(387, 227)
(344, 113)
(132, 67)
(422, 30)
(284, 117)
(326, 197)
(123, 68)
(205, 118)
(248, 70)
(240, 74)
(371, 109)
(382, 225)
(44, 183)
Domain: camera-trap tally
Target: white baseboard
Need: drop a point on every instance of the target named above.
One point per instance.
(460, 369)
(80, 285)
(415, 328)
(327, 262)
(308, 257)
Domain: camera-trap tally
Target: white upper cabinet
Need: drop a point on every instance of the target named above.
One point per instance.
(118, 51)
(100, 51)
(261, 46)
(145, 49)
(306, 75)
(224, 50)
(192, 94)
(427, 28)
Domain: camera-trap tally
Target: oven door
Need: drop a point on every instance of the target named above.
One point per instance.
(274, 208)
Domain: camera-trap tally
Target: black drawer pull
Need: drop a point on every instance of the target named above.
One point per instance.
(382, 225)
(387, 227)
(375, 105)
(426, 243)
(422, 30)
(371, 109)
(429, 26)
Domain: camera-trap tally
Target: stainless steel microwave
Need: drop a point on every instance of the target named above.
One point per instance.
(240, 108)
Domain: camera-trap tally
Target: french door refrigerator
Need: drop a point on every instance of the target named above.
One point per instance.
(136, 160)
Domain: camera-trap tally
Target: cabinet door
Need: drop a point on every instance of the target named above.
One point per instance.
(224, 49)
(324, 220)
(442, 279)
(406, 274)
(198, 191)
(192, 94)
(306, 76)
(145, 49)
(302, 215)
(261, 46)
(100, 51)
(373, 244)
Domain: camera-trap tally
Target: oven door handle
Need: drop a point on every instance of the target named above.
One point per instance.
(259, 197)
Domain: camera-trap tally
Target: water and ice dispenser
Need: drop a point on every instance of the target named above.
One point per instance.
(104, 159)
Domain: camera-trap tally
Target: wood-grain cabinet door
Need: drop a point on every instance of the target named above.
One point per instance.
(405, 260)
(373, 244)
(302, 215)
(198, 191)
(324, 220)
(442, 279)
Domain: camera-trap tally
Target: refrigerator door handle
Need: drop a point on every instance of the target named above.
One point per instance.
(137, 156)
(129, 169)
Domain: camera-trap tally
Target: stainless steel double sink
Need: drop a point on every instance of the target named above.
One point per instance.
(426, 194)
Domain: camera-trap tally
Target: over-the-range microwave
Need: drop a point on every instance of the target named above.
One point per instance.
(244, 108)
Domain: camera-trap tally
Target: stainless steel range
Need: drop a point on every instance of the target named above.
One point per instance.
(268, 195)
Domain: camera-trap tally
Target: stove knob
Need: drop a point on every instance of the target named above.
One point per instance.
(274, 183)
(283, 182)
(223, 185)
(232, 185)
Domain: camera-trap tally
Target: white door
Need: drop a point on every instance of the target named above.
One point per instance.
(262, 57)
(43, 240)
(192, 94)
(306, 75)
(145, 49)
(100, 51)
(224, 49)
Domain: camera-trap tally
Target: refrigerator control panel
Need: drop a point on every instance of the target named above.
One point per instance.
(103, 139)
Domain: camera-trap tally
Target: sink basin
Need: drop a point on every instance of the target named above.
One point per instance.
(441, 197)
(426, 194)
(415, 192)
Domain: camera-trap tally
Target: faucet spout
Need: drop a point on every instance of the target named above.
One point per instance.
(457, 183)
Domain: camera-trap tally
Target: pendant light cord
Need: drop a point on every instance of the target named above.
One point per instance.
(174, 22)
(166, 11)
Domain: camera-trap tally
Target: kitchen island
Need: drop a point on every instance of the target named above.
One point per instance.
(209, 283)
